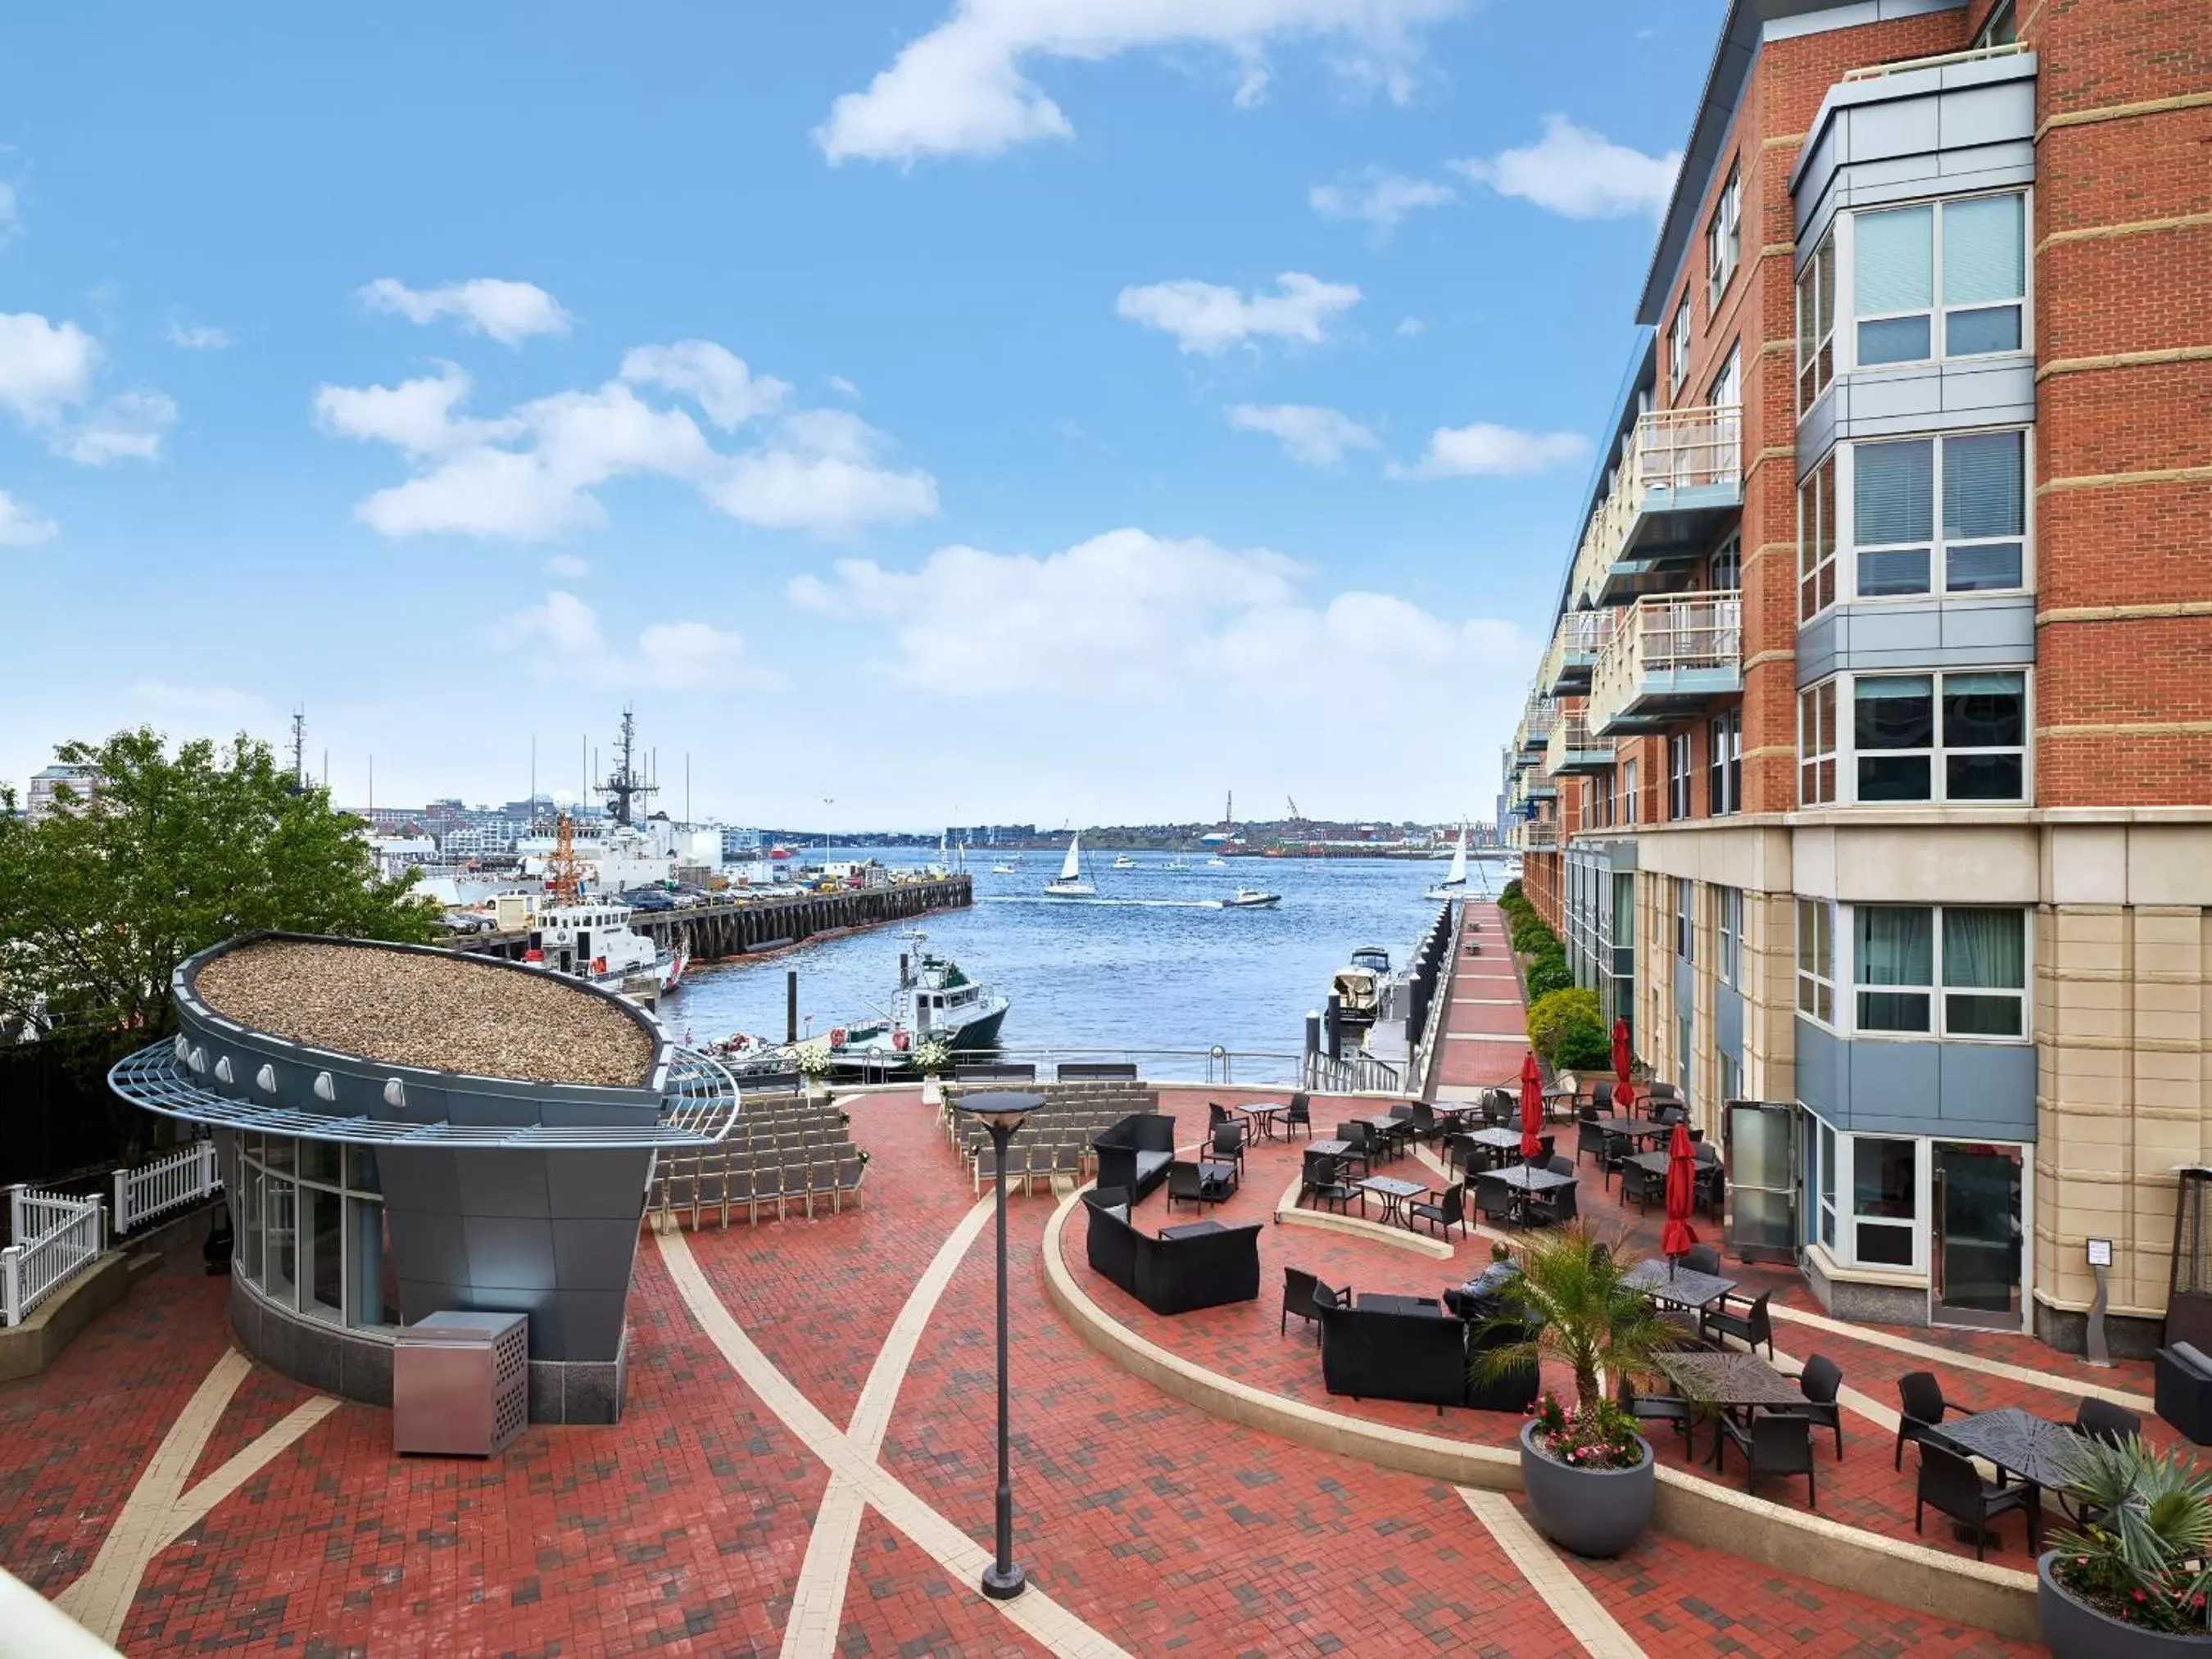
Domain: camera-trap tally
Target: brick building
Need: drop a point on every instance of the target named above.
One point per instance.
(1869, 773)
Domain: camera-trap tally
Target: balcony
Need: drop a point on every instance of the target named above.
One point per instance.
(1680, 479)
(1670, 655)
(1534, 731)
(1575, 643)
(1941, 60)
(1533, 836)
(1576, 749)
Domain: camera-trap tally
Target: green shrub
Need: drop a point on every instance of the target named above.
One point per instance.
(1581, 1044)
(1552, 1012)
(1511, 896)
(1531, 935)
(1549, 973)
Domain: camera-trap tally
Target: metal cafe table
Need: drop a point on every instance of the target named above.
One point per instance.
(1636, 1129)
(2036, 1451)
(1732, 1381)
(1394, 1193)
(1527, 1180)
(1504, 1142)
(1679, 1288)
(1263, 1115)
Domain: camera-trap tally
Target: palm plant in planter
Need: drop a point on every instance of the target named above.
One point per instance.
(1589, 1475)
(2135, 1576)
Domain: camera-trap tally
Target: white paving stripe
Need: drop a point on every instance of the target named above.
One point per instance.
(1036, 1614)
(159, 1511)
(1518, 1039)
(818, 1608)
(1552, 1579)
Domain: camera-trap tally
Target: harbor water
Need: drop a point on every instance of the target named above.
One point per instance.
(1147, 966)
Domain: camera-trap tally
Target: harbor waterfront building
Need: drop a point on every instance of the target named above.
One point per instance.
(1868, 773)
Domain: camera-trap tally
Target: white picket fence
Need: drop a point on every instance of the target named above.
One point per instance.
(56, 1237)
(183, 1176)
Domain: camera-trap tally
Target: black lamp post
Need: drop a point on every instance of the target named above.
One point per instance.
(1002, 1111)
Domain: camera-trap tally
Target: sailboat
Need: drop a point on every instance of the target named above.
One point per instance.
(1454, 885)
(1071, 881)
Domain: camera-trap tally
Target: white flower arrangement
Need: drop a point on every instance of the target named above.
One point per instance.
(811, 1060)
(933, 1057)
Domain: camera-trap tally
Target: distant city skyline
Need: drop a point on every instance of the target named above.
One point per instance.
(1070, 432)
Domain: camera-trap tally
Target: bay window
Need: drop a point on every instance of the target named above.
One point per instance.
(1941, 279)
(1867, 1197)
(1816, 540)
(1980, 742)
(1816, 324)
(1816, 745)
(1979, 546)
(1816, 960)
(1957, 971)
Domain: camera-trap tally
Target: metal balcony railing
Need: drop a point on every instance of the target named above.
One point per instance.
(1575, 642)
(1575, 748)
(1536, 835)
(1941, 60)
(1668, 452)
(1669, 646)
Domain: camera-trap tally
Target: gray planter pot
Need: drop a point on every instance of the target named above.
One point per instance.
(2074, 1629)
(1598, 1512)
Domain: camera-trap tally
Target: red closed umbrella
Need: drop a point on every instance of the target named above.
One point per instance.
(1681, 1196)
(1624, 1093)
(1532, 1109)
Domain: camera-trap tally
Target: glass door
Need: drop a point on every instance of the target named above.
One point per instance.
(1976, 1235)
(1762, 1179)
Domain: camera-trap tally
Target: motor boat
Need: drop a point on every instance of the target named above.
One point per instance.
(1070, 882)
(1176, 864)
(1250, 898)
(1123, 861)
(935, 1000)
(1363, 988)
(1454, 885)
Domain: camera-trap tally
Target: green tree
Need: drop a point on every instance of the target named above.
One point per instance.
(102, 899)
(1582, 1045)
(1551, 1012)
(1568, 1305)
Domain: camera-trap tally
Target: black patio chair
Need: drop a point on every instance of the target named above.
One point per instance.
(1920, 1409)
(1703, 1259)
(1465, 1154)
(1361, 1139)
(1184, 1182)
(1556, 1207)
(1601, 1101)
(1957, 1489)
(1494, 1199)
(1228, 1145)
(2101, 1419)
(1776, 1442)
(1753, 1326)
(1709, 1188)
(1639, 1187)
(1322, 1181)
(1298, 1114)
(1449, 1208)
(1298, 1298)
(1613, 1155)
(1426, 1122)
(1217, 1114)
(1589, 1142)
(1819, 1382)
(1657, 1408)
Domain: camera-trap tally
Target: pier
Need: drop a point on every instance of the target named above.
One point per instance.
(737, 927)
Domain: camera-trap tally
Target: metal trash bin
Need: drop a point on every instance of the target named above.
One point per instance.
(460, 1384)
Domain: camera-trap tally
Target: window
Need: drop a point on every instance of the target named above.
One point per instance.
(1884, 1199)
(1944, 279)
(1816, 324)
(1816, 540)
(1678, 776)
(1685, 919)
(2000, 29)
(1983, 737)
(1723, 239)
(1728, 915)
(1628, 793)
(1816, 745)
(313, 1238)
(1955, 972)
(1724, 565)
(1724, 764)
(1727, 390)
(1979, 545)
(1682, 1058)
(1816, 960)
(1678, 350)
(1826, 1186)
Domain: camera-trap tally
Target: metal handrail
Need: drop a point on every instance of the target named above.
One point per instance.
(1215, 1065)
(1668, 449)
(1906, 65)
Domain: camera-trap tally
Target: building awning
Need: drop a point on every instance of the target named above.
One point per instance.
(699, 1108)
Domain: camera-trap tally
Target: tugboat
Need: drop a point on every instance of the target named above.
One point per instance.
(935, 999)
(591, 939)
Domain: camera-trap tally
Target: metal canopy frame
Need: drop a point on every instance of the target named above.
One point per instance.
(699, 1108)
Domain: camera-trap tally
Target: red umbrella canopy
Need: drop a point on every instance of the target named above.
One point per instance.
(1681, 1194)
(1623, 1063)
(1531, 1108)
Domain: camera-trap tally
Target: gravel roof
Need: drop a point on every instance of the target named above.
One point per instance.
(444, 1013)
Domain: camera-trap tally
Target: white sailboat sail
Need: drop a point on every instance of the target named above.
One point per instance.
(1459, 861)
(1072, 865)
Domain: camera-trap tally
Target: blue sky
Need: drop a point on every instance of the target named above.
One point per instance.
(1052, 409)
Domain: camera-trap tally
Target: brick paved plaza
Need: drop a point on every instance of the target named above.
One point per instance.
(778, 1486)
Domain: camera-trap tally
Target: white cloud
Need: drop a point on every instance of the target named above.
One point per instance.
(843, 387)
(710, 376)
(1205, 317)
(1378, 197)
(568, 644)
(1409, 326)
(1579, 174)
(1128, 618)
(202, 708)
(1483, 449)
(508, 312)
(187, 336)
(1310, 433)
(45, 368)
(567, 566)
(529, 473)
(962, 89)
(20, 527)
(127, 427)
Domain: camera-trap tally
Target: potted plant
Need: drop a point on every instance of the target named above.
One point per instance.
(2135, 1578)
(932, 1058)
(1589, 1475)
(812, 1061)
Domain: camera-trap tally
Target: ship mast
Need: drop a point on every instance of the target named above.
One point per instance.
(626, 784)
(563, 884)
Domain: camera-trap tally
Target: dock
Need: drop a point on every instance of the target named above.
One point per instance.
(737, 927)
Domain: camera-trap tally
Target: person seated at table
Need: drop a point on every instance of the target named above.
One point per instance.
(1478, 1297)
